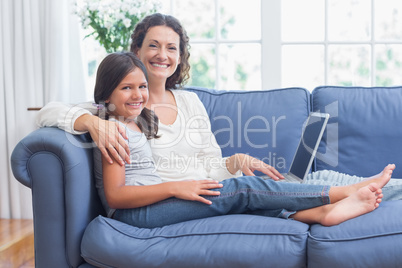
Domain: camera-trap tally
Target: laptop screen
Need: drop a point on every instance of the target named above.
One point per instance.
(311, 137)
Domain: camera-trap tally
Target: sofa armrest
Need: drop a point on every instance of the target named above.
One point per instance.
(57, 166)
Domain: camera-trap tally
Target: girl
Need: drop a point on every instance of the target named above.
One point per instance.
(136, 194)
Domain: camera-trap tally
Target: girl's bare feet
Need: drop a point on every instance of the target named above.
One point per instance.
(365, 200)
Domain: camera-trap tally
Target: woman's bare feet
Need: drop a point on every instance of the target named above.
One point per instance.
(365, 200)
(348, 202)
(381, 179)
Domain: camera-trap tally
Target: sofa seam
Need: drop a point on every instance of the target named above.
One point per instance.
(207, 234)
(95, 262)
(241, 92)
(352, 239)
(357, 87)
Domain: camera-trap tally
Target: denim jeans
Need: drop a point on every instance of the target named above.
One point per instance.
(251, 195)
(392, 190)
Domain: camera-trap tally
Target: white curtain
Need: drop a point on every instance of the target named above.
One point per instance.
(40, 61)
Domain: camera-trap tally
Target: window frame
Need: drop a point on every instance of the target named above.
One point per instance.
(217, 40)
(271, 43)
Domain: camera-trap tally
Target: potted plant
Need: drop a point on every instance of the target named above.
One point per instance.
(111, 22)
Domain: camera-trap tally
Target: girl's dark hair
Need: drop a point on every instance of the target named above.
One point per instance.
(182, 73)
(111, 72)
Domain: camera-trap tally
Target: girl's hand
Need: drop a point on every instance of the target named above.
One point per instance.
(192, 190)
(248, 164)
(110, 137)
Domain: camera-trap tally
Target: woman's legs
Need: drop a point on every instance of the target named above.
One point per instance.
(392, 190)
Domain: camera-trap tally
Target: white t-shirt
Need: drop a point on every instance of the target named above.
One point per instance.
(186, 150)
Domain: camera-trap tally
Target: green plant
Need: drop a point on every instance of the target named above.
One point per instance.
(112, 21)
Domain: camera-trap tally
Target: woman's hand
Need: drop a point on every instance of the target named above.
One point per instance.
(248, 164)
(192, 190)
(110, 137)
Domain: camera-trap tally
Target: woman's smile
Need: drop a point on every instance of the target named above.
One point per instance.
(160, 65)
(160, 52)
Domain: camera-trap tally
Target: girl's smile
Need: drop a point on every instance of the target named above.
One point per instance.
(130, 96)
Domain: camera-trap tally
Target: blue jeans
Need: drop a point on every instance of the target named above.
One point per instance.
(391, 191)
(251, 195)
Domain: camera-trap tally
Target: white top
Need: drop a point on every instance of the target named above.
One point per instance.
(186, 150)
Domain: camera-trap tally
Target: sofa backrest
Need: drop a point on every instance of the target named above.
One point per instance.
(266, 124)
(365, 129)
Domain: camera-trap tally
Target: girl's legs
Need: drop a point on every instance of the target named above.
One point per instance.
(238, 195)
(248, 194)
(346, 201)
(365, 200)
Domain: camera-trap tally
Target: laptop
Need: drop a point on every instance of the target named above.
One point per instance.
(308, 145)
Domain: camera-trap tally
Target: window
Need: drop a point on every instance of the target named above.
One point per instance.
(225, 38)
(259, 44)
(347, 43)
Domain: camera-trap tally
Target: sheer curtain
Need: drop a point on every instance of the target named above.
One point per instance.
(40, 61)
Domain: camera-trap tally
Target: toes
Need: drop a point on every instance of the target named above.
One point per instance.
(391, 166)
(374, 187)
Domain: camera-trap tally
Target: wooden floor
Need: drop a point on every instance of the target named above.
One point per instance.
(16, 244)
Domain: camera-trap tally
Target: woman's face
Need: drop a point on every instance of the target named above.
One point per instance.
(160, 52)
(130, 96)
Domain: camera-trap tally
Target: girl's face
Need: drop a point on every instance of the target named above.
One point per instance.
(160, 52)
(130, 96)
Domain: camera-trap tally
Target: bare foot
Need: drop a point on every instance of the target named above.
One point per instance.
(380, 179)
(338, 193)
(365, 200)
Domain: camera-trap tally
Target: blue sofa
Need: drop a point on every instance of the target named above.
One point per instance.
(363, 135)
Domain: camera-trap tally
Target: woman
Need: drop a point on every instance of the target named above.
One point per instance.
(162, 45)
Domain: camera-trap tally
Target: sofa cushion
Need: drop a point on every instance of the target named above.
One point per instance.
(364, 131)
(224, 241)
(266, 124)
(371, 240)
